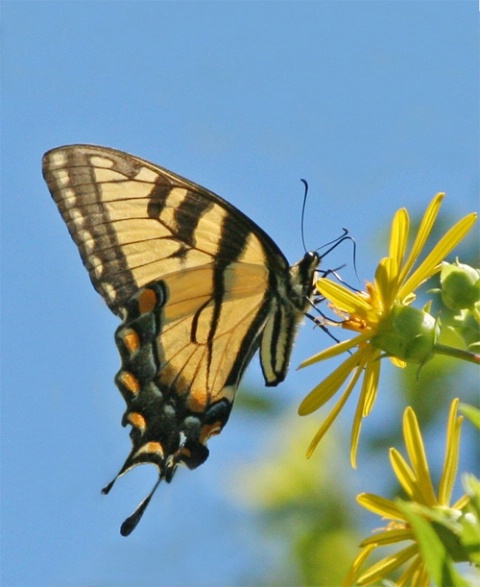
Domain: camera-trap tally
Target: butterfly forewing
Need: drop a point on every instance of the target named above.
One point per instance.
(198, 285)
(134, 222)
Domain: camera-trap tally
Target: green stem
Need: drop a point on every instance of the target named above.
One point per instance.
(442, 349)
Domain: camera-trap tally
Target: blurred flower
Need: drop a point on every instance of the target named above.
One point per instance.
(382, 316)
(414, 477)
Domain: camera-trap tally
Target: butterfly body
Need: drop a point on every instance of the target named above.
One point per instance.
(198, 285)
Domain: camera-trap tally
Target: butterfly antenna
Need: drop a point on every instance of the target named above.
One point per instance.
(337, 241)
(334, 272)
(302, 221)
(131, 522)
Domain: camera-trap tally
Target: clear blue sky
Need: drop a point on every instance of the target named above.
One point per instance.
(375, 103)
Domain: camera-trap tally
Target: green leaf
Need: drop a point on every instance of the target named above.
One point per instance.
(473, 414)
(434, 551)
(470, 520)
(472, 488)
(470, 538)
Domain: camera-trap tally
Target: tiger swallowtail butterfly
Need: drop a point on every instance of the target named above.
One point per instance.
(199, 287)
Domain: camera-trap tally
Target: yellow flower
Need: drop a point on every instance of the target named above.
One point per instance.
(385, 323)
(414, 478)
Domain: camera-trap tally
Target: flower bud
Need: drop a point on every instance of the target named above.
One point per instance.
(407, 334)
(460, 286)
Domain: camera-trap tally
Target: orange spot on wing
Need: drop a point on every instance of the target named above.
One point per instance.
(137, 420)
(196, 401)
(147, 301)
(130, 382)
(131, 340)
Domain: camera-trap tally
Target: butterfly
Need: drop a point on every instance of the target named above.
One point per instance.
(199, 288)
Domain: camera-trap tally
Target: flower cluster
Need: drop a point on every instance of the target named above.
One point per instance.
(383, 320)
(414, 477)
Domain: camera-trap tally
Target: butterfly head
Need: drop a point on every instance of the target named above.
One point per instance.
(302, 278)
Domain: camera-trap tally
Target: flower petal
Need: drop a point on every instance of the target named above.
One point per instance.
(370, 383)
(381, 506)
(336, 349)
(343, 298)
(386, 282)
(421, 576)
(431, 264)
(350, 579)
(405, 476)
(399, 236)
(461, 503)
(334, 413)
(355, 434)
(321, 393)
(452, 448)
(423, 233)
(387, 564)
(398, 362)
(416, 453)
(365, 401)
(388, 537)
(412, 573)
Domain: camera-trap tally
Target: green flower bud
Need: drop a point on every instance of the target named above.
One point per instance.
(408, 334)
(460, 286)
(464, 325)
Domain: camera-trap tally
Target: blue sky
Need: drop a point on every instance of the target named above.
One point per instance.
(375, 103)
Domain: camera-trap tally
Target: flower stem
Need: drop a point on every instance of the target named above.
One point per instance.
(442, 349)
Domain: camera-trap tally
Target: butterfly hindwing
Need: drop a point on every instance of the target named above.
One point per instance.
(199, 288)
